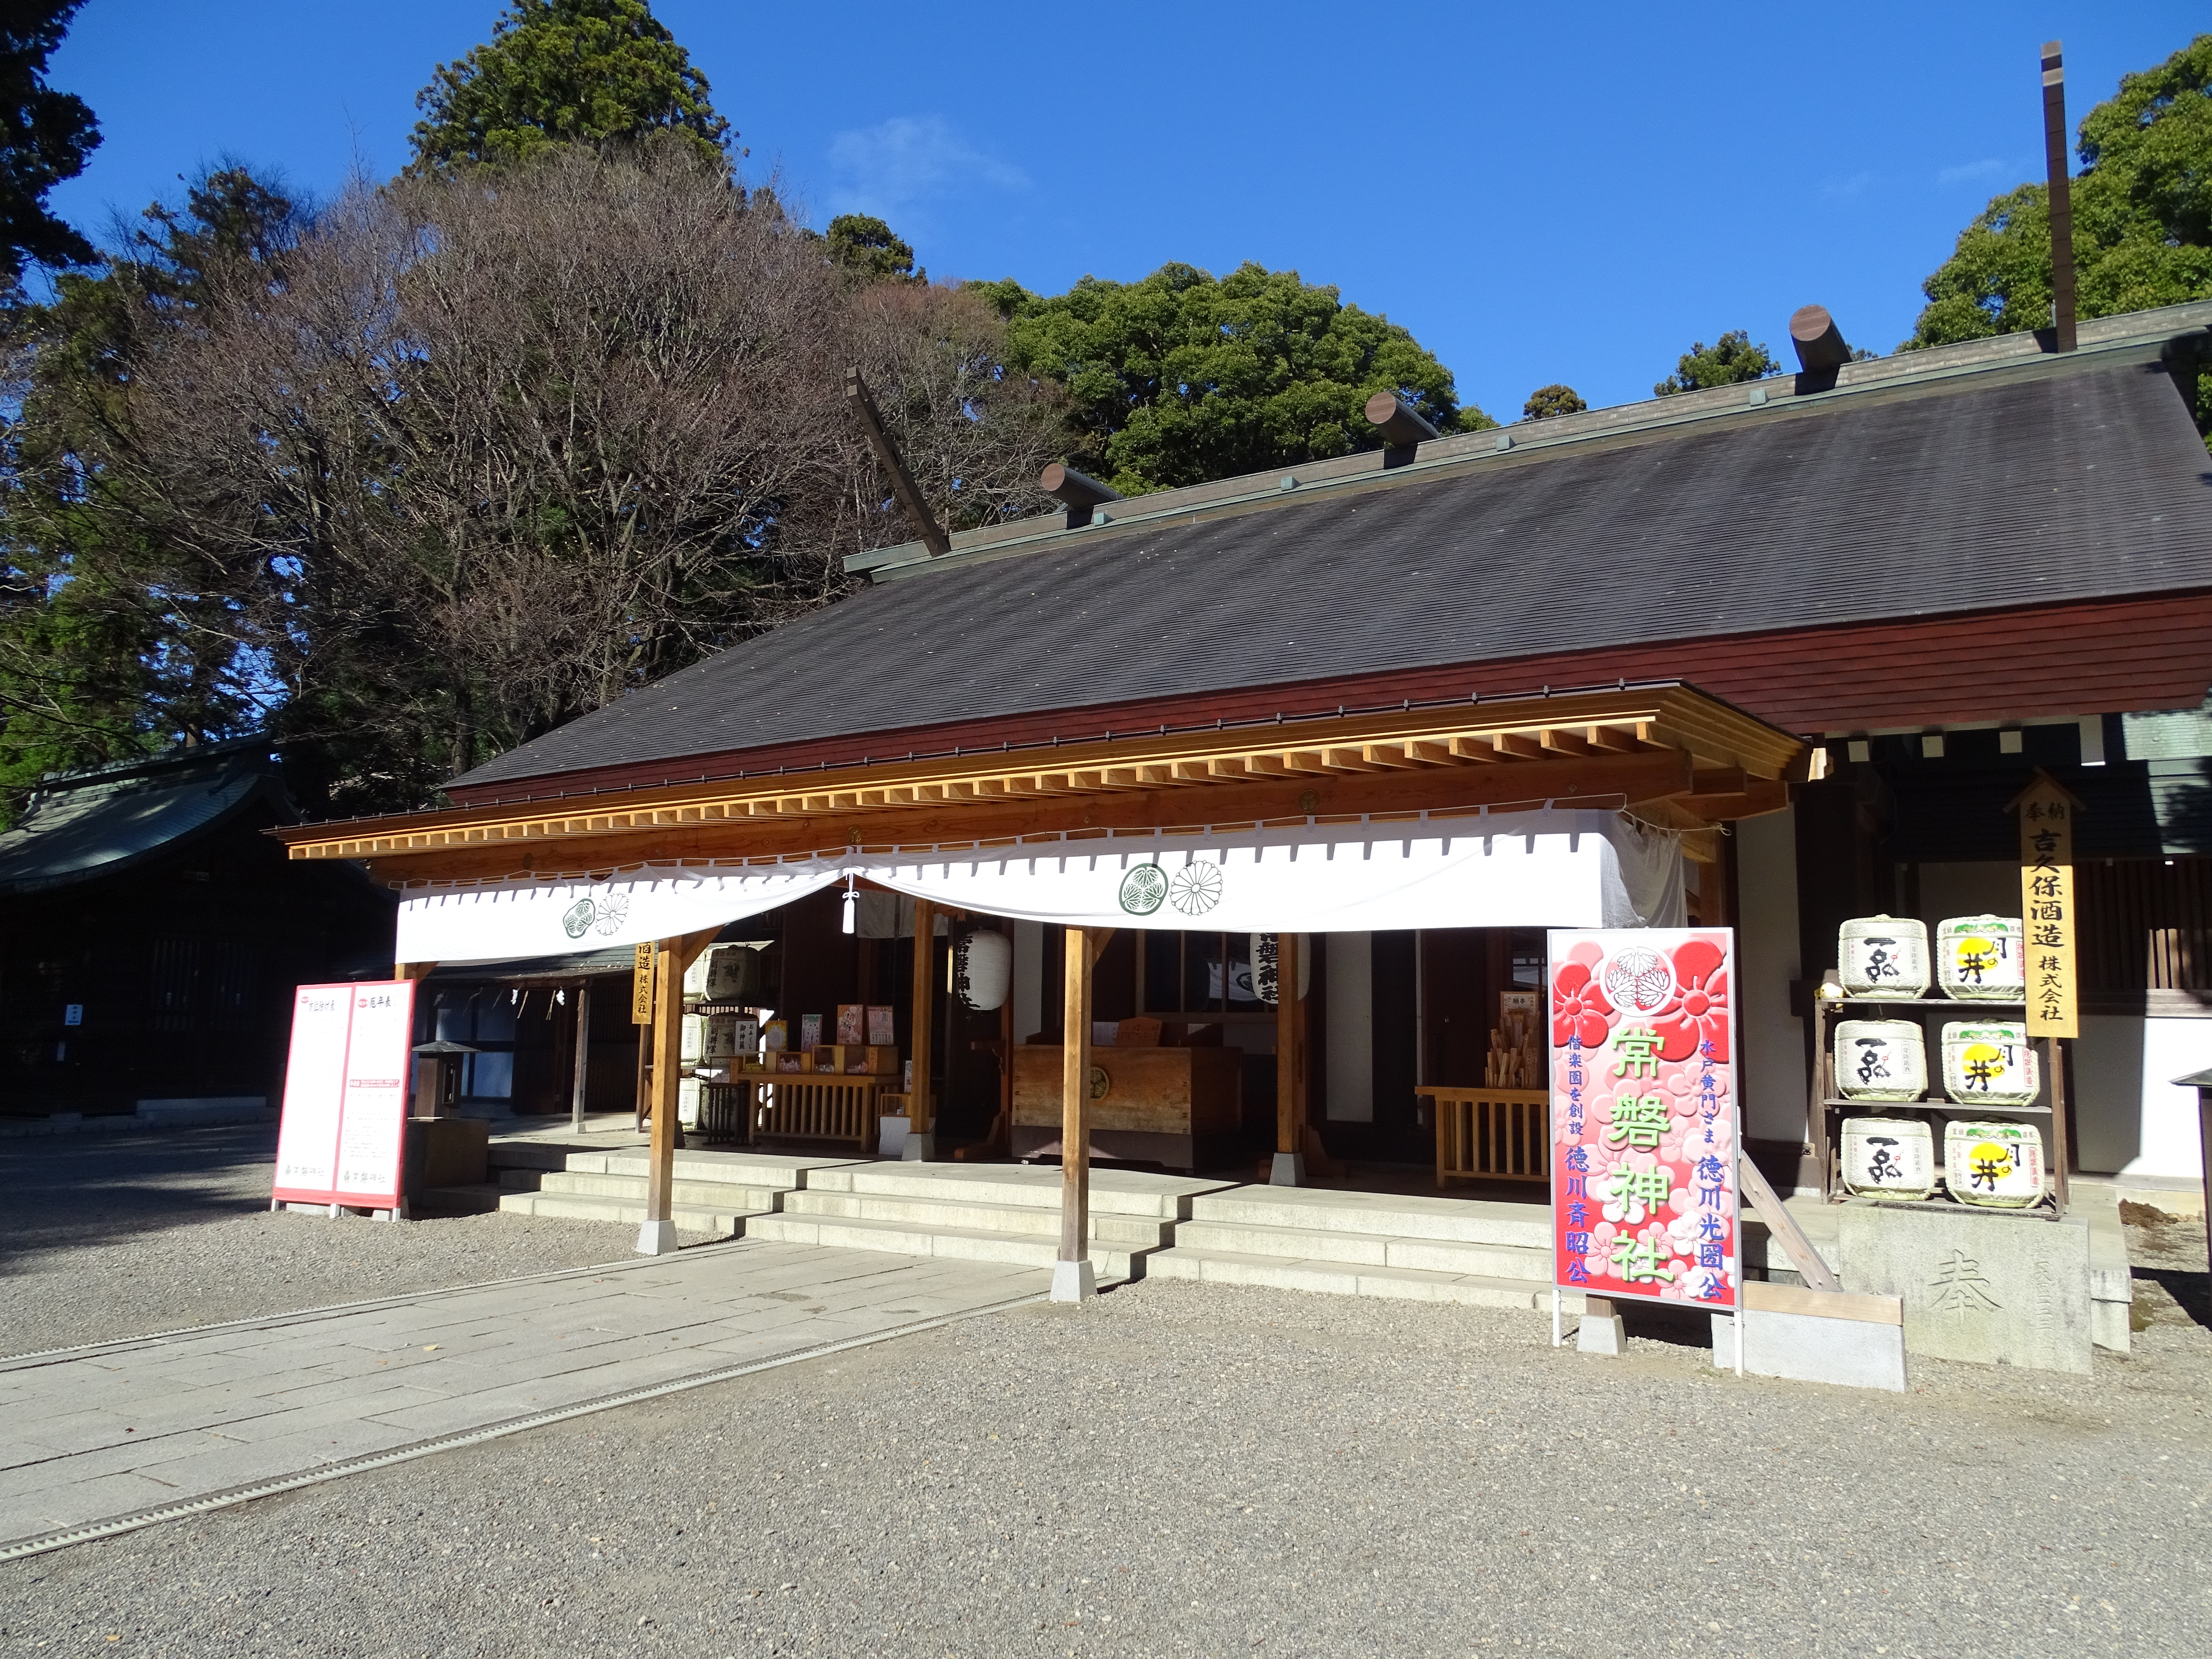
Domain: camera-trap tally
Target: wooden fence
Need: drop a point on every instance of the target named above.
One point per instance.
(1492, 1134)
(818, 1107)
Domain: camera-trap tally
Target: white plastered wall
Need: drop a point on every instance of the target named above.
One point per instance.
(1773, 1073)
(1350, 1010)
(2129, 1117)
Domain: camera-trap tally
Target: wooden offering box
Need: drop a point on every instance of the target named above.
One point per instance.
(1175, 1107)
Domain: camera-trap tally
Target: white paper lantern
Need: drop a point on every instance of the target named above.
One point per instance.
(1883, 957)
(983, 968)
(1889, 1158)
(1265, 973)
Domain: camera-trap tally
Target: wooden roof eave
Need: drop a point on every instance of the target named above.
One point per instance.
(1630, 744)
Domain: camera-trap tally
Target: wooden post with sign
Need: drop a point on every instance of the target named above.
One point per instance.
(2047, 809)
(920, 1121)
(640, 1013)
(670, 959)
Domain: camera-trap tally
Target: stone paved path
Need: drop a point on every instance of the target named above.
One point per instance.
(94, 1433)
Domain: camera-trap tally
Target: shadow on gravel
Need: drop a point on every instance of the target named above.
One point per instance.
(2192, 1291)
(62, 1192)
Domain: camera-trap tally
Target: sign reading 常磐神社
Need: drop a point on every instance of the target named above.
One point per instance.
(1643, 1117)
(2046, 905)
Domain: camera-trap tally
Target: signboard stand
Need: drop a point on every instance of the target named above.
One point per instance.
(1645, 1188)
(342, 1141)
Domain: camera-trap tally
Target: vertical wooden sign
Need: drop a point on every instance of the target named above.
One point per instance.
(641, 984)
(2047, 811)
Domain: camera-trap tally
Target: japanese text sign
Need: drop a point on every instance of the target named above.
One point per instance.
(641, 984)
(1644, 1201)
(342, 1136)
(2046, 906)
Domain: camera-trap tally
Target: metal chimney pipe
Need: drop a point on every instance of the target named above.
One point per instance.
(2062, 195)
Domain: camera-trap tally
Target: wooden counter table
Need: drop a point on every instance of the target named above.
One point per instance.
(1180, 1108)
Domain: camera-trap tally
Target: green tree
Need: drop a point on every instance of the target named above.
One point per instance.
(2142, 221)
(865, 245)
(565, 72)
(1729, 360)
(1182, 378)
(1547, 401)
(44, 137)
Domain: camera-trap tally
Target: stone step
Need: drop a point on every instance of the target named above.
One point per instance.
(780, 1171)
(1448, 1256)
(966, 1215)
(962, 1243)
(1353, 1279)
(720, 1195)
(1113, 1192)
(628, 1212)
(1463, 1220)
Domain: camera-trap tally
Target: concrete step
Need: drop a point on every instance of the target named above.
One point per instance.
(697, 1194)
(1353, 1279)
(961, 1243)
(968, 1215)
(1446, 1256)
(1464, 1220)
(1113, 1192)
(592, 1207)
(780, 1171)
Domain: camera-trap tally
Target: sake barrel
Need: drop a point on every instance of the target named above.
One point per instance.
(1988, 1065)
(1996, 1166)
(1982, 957)
(1884, 956)
(1889, 1158)
(1880, 1060)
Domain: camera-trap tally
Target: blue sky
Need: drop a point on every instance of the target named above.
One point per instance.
(1541, 193)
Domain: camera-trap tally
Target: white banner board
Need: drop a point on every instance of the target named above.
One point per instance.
(343, 1139)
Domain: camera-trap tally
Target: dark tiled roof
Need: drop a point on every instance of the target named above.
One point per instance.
(90, 825)
(1965, 495)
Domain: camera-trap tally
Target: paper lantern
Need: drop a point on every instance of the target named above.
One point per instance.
(1265, 972)
(1988, 1065)
(983, 968)
(1982, 957)
(1889, 1158)
(1996, 1166)
(1880, 1060)
(1884, 956)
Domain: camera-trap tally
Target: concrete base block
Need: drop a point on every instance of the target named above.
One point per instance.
(1289, 1169)
(920, 1148)
(1073, 1281)
(891, 1136)
(2108, 1326)
(657, 1238)
(1603, 1334)
(1993, 1290)
(1853, 1353)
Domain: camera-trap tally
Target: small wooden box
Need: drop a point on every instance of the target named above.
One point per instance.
(856, 1058)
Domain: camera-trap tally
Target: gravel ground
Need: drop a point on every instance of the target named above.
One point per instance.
(1193, 1470)
(108, 1238)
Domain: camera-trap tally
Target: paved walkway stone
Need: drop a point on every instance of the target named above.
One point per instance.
(91, 1434)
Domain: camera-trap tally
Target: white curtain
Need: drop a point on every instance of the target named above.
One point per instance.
(1549, 869)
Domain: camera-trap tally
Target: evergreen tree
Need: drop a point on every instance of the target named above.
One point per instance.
(44, 138)
(565, 72)
(1730, 361)
(1548, 401)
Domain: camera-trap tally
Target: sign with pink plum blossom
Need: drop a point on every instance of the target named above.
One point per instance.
(1643, 1114)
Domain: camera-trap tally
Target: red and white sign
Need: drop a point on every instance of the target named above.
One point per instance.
(344, 1130)
(1644, 1201)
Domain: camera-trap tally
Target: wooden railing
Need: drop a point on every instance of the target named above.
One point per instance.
(818, 1107)
(1492, 1134)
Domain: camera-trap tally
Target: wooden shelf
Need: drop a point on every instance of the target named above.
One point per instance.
(1951, 1106)
(2041, 1210)
(1923, 1002)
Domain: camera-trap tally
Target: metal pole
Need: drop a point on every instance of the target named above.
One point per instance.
(583, 1054)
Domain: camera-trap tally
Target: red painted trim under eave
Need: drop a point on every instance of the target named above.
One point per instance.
(2041, 662)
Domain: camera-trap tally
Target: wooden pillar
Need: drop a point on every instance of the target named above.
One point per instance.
(1289, 1168)
(583, 1054)
(921, 1121)
(671, 957)
(1073, 1277)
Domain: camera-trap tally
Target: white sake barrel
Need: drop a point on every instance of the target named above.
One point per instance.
(1883, 957)
(1889, 1158)
(1880, 1060)
(1998, 1166)
(1989, 1064)
(1982, 957)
